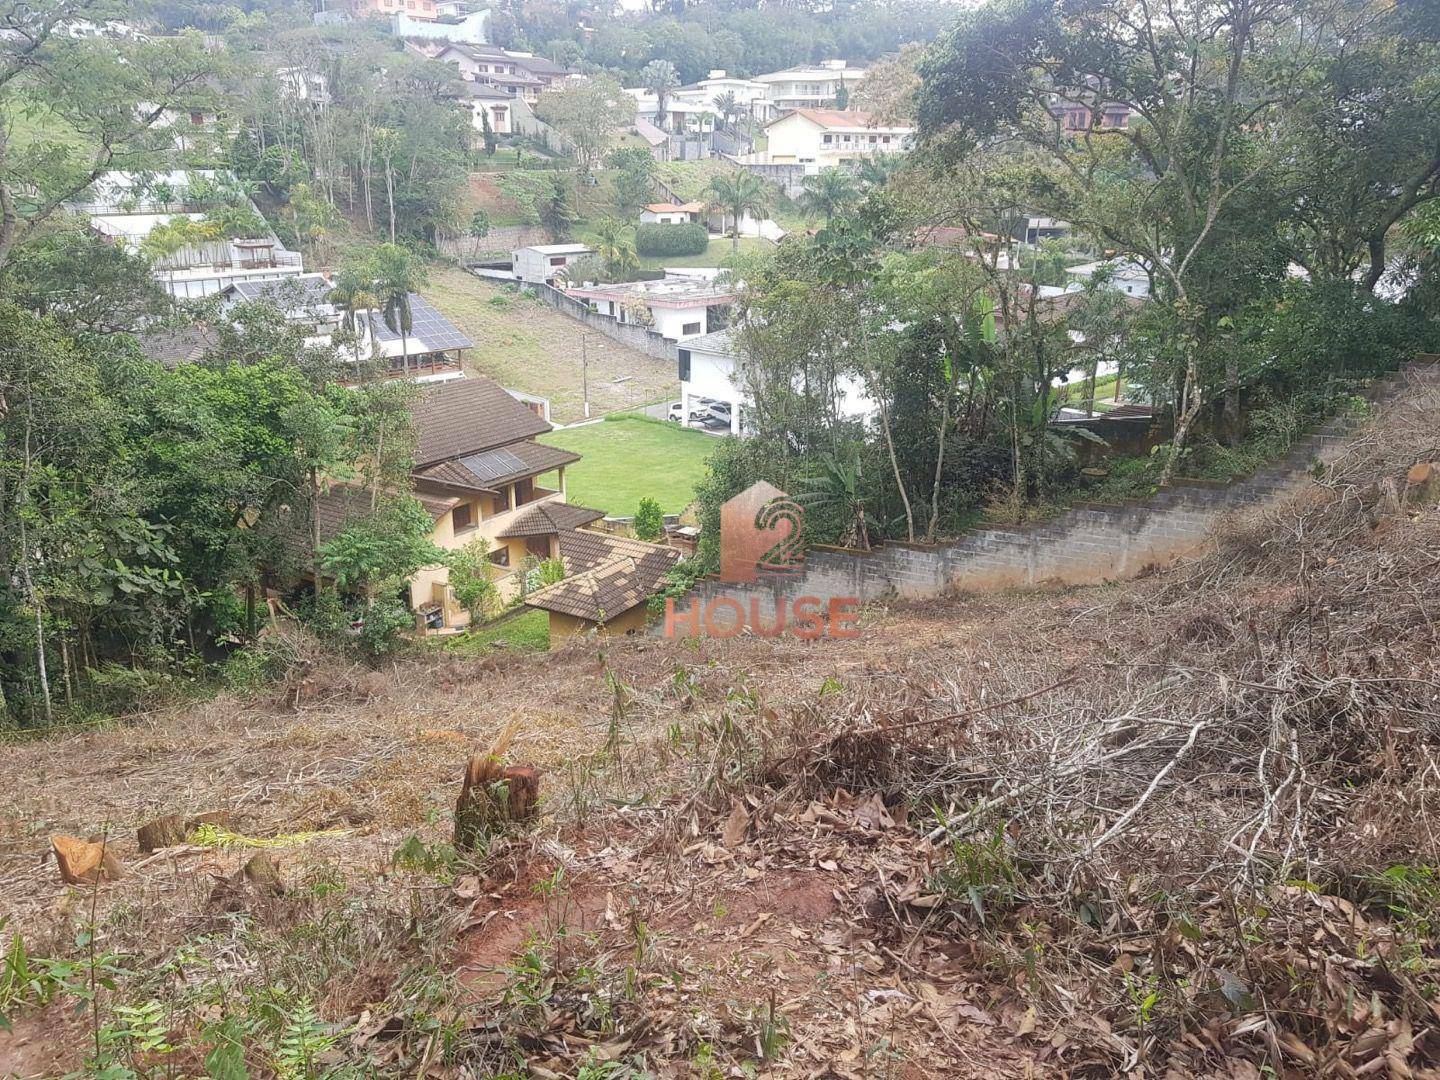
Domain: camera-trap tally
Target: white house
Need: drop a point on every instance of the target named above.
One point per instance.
(673, 213)
(481, 100)
(541, 262)
(750, 94)
(126, 207)
(1127, 275)
(301, 84)
(473, 28)
(710, 368)
(810, 86)
(677, 306)
(824, 138)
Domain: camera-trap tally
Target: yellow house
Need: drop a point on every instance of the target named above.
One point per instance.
(608, 584)
(476, 466)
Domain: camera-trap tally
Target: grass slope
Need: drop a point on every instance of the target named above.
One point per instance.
(526, 345)
(629, 457)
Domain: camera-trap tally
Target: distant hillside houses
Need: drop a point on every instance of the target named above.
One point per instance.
(695, 107)
(199, 229)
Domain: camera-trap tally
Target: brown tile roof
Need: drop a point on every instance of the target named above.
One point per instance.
(178, 345)
(490, 470)
(336, 509)
(609, 575)
(468, 416)
(547, 517)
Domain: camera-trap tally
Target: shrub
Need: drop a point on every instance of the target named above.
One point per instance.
(649, 521)
(470, 579)
(691, 239)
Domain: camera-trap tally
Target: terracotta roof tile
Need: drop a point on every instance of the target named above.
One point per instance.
(550, 516)
(469, 416)
(609, 575)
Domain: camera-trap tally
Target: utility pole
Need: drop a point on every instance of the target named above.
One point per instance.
(585, 373)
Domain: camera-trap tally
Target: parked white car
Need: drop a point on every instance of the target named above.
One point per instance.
(699, 410)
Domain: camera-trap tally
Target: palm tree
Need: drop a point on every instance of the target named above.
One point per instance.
(728, 105)
(737, 194)
(354, 294)
(659, 77)
(876, 169)
(828, 192)
(398, 273)
(614, 243)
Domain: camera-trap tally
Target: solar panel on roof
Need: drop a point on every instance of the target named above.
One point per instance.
(492, 464)
(427, 325)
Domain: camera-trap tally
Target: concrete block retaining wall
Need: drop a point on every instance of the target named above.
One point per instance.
(1090, 544)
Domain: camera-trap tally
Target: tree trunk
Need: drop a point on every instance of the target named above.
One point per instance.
(315, 528)
(390, 195)
(1184, 417)
(895, 468)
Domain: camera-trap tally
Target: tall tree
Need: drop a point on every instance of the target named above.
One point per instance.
(398, 273)
(1153, 122)
(660, 79)
(113, 100)
(828, 192)
(736, 194)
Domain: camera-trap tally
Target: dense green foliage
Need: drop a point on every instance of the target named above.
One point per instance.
(744, 37)
(687, 239)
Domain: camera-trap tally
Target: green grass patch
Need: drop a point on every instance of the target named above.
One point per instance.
(528, 631)
(717, 254)
(630, 457)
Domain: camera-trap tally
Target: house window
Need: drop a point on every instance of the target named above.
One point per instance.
(462, 518)
(684, 364)
(828, 139)
(500, 557)
(557, 260)
(197, 118)
(690, 328)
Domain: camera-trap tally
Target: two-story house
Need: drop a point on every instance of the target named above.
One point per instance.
(477, 467)
(825, 138)
(811, 86)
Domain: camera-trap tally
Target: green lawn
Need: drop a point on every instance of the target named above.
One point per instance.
(527, 632)
(716, 254)
(630, 457)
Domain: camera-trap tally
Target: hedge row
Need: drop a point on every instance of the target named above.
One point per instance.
(691, 239)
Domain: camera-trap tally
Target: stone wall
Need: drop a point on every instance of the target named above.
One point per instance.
(1089, 544)
(640, 338)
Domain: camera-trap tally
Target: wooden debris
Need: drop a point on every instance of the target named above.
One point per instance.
(163, 832)
(1422, 483)
(82, 862)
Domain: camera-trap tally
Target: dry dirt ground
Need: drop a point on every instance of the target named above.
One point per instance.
(1179, 827)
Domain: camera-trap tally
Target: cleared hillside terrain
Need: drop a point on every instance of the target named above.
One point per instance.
(1184, 826)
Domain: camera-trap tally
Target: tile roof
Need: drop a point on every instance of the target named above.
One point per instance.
(177, 345)
(851, 119)
(608, 575)
(468, 416)
(718, 341)
(676, 208)
(489, 470)
(547, 517)
(336, 509)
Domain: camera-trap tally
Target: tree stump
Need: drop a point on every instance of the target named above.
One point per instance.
(262, 873)
(1422, 483)
(491, 796)
(220, 819)
(84, 863)
(163, 832)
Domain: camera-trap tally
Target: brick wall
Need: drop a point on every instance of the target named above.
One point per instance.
(1087, 545)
